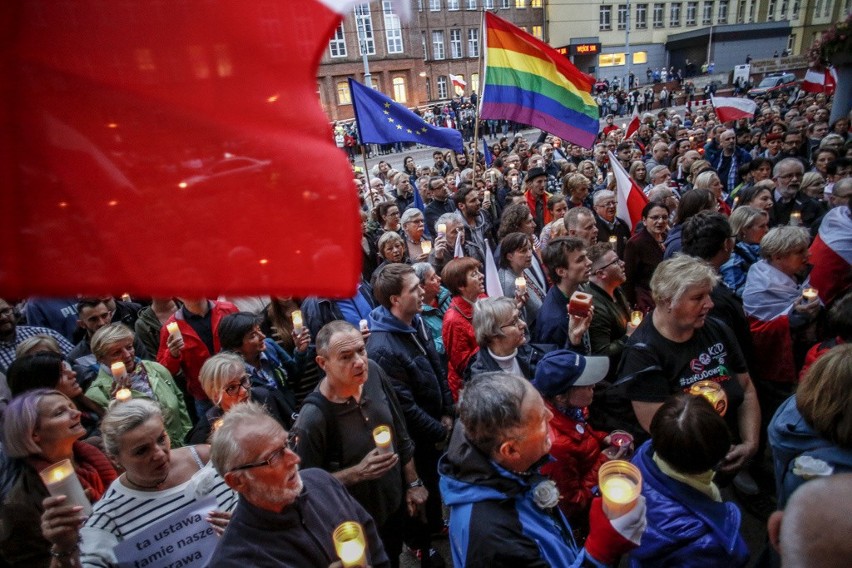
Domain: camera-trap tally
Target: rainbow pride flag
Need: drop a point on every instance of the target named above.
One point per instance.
(529, 82)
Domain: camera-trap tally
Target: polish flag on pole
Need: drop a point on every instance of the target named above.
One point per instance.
(733, 108)
(458, 82)
(629, 198)
(492, 278)
(820, 81)
(633, 127)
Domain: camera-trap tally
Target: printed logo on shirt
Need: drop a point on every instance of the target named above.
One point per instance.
(708, 365)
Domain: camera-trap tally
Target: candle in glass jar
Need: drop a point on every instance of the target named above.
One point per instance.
(613, 240)
(636, 317)
(521, 284)
(350, 545)
(580, 304)
(713, 392)
(61, 479)
(810, 294)
(297, 321)
(382, 437)
(620, 483)
(442, 229)
(173, 329)
(119, 371)
(123, 395)
(426, 247)
(795, 218)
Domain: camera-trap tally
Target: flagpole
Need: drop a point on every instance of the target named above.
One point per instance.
(479, 93)
(367, 173)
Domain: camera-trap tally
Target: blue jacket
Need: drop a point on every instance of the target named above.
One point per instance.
(407, 354)
(494, 521)
(790, 437)
(735, 269)
(685, 527)
(674, 241)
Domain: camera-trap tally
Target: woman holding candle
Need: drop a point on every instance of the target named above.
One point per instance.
(417, 246)
(463, 279)
(678, 345)
(643, 253)
(157, 480)
(516, 275)
(266, 364)
(688, 524)
(112, 346)
(748, 225)
(42, 427)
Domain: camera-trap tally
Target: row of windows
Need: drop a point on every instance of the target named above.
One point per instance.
(400, 92)
(658, 12)
(454, 5)
(364, 32)
(616, 59)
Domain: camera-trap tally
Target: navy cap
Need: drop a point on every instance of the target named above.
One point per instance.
(535, 173)
(562, 369)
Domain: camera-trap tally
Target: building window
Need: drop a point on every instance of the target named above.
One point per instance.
(419, 5)
(344, 97)
(795, 12)
(791, 42)
(639, 57)
(535, 3)
(442, 87)
(471, 4)
(817, 7)
(751, 8)
(364, 24)
(434, 5)
(337, 44)
(770, 11)
(707, 15)
(455, 44)
(606, 18)
(641, 16)
(473, 42)
(474, 82)
(674, 15)
(611, 59)
(399, 90)
(829, 4)
(536, 32)
(452, 5)
(741, 6)
(783, 14)
(488, 4)
(504, 3)
(393, 29)
(691, 10)
(622, 16)
(520, 4)
(659, 15)
(438, 44)
(722, 17)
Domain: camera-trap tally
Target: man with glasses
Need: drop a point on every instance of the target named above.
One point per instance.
(787, 175)
(440, 203)
(334, 431)
(284, 517)
(11, 334)
(608, 224)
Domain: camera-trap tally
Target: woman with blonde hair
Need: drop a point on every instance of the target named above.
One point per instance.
(748, 225)
(113, 344)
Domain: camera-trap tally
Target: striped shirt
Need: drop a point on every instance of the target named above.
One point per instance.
(122, 512)
(22, 332)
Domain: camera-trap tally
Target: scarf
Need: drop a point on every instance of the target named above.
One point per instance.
(702, 482)
(92, 467)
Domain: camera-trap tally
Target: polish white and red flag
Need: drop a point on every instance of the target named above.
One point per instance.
(733, 108)
(633, 127)
(820, 81)
(629, 197)
(458, 81)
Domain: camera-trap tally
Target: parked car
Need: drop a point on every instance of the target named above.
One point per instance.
(773, 85)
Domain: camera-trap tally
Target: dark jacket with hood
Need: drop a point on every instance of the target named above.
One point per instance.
(407, 354)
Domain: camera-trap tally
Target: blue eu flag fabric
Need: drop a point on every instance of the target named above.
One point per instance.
(383, 121)
(487, 151)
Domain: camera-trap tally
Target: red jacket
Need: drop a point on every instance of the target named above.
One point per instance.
(578, 457)
(459, 342)
(194, 352)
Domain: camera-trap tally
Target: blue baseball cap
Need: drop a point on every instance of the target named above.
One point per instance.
(562, 369)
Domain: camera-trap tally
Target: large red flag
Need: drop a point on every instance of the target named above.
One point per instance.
(172, 147)
(820, 81)
(733, 108)
(633, 127)
(629, 197)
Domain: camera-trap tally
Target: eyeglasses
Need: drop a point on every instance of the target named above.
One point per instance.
(516, 322)
(608, 204)
(792, 175)
(658, 217)
(273, 458)
(607, 265)
(245, 383)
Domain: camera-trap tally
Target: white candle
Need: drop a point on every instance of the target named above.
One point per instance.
(810, 293)
(174, 329)
(636, 318)
(521, 284)
(123, 395)
(442, 229)
(119, 371)
(613, 239)
(297, 321)
(350, 545)
(426, 247)
(364, 325)
(487, 195)
(795, 218)
(61, 479)
(382, 437)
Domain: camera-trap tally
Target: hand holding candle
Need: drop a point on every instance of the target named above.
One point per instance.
(620, 483)
(810, 294)
(174, 329)
(382, 437)
(61, 479)
(350, 545)
(297, 321)
(442, 229)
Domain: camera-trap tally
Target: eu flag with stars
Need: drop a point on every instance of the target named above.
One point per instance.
(383, 121)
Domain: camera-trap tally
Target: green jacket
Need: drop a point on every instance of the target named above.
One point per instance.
(167, 394)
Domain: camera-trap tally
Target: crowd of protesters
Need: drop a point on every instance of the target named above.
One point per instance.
(738, 273)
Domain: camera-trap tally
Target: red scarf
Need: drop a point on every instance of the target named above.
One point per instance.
(93, 468)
